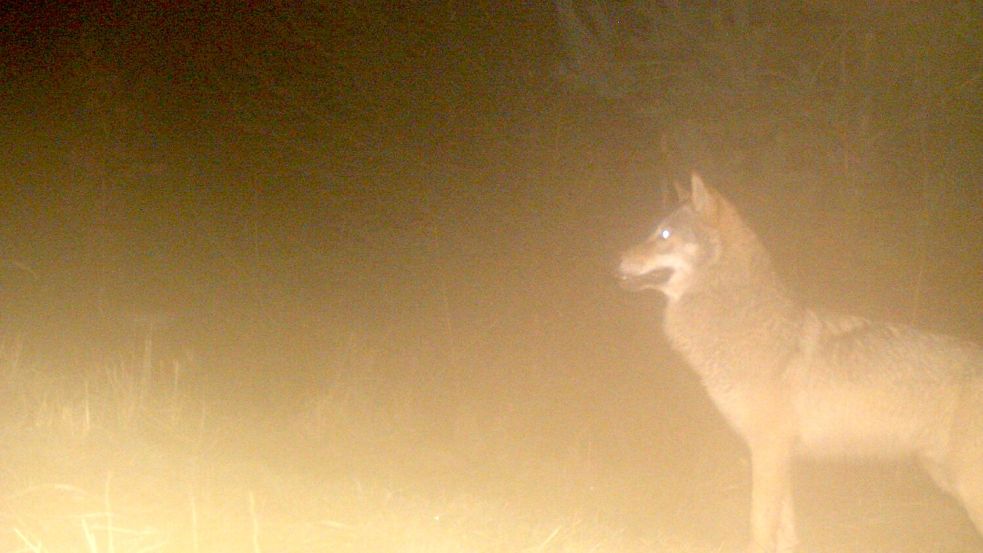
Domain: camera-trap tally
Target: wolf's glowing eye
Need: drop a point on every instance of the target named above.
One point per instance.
(665, 234)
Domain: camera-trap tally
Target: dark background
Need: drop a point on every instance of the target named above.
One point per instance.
(427, 201)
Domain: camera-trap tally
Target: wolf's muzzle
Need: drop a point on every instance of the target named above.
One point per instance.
(651, 280)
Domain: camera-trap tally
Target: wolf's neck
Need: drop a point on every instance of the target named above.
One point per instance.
(738, 314)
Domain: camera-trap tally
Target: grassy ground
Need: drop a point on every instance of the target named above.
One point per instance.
(110, 460)
(107, 461)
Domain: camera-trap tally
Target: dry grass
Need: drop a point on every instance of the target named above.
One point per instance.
(223, 506)
(110, 460)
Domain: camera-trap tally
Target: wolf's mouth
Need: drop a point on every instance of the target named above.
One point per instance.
(652, 279)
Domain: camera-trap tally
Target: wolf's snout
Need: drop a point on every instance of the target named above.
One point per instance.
(632, 284)
(635, 277)
(626, 281)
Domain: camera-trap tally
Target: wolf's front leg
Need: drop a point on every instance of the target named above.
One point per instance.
(772, 524)
(787, 540)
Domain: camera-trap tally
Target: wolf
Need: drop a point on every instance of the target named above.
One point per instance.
(794, 381)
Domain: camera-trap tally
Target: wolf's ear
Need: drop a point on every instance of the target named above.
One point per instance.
(703, 197)
(682, 194)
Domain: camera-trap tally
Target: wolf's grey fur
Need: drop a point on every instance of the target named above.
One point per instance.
(792, 380)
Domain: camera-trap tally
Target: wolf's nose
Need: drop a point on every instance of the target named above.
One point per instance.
(619, 271)
(618, 274)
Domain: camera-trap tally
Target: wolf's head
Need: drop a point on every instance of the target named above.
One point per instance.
(684, 245)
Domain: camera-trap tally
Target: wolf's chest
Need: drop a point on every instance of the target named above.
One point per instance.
(734, 402)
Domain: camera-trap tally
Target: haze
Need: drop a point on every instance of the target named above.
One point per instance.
(339, 276)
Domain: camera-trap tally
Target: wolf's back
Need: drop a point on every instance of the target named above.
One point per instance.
(868, 388)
